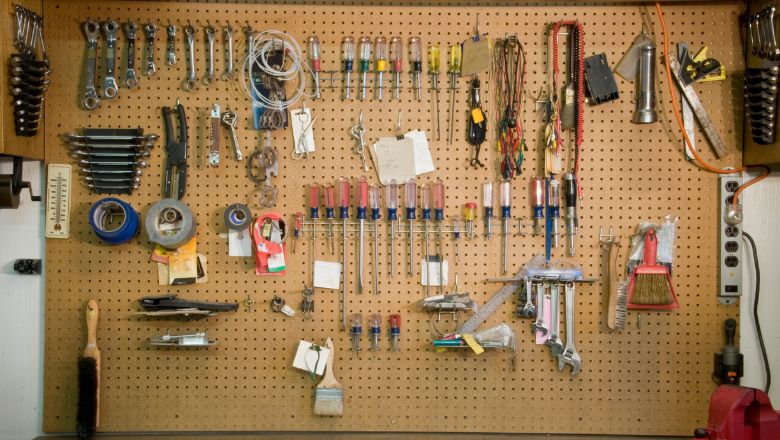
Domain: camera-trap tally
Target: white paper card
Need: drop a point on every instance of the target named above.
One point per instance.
(303, 130)
(433, 270)
(327, 275)
(310, 360)
(423, 161)
(239, 243)
(394, 159)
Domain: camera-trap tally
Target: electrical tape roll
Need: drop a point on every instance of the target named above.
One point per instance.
(237, 217)
(170, 223)
(103, 210)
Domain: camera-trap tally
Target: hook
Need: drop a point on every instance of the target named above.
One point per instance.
(398, 123)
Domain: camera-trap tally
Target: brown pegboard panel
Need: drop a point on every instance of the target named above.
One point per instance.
(653, 379)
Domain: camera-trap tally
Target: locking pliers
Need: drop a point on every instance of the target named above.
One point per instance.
(177, 152)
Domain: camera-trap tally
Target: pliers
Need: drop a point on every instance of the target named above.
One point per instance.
(177, 152)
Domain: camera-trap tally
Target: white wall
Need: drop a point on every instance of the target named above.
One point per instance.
(21, 313)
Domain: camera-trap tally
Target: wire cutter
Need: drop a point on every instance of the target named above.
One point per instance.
(177, 151)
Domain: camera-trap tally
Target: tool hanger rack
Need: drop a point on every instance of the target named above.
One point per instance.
(648, 379)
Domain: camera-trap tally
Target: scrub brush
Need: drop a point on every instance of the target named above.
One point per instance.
(618, 291)
(88, 410)
(651, 286)
(329, 395)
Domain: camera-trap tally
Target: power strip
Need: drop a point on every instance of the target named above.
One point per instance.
(730, 244)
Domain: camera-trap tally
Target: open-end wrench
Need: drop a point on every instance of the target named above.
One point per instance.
(91, 100)
(528, 309)
(210, 75)
(150, 31)
(170, 47)
(539, 325)
(110, 87)
(554, 338)
(228, 73)
(570, 355)
(131, 79)
(191, 83)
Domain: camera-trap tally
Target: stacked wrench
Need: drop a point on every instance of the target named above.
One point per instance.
(570, 356)
(761, 103)
(29, 75)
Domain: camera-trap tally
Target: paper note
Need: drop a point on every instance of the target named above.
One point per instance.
(311, 358)
(239, 243)
(327, 275)
(394, 159)
(423, 161)
(433, 270)
(303, 130)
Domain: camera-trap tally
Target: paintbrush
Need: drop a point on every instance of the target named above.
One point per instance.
(651, 286)
(89, 378)
(329, 395)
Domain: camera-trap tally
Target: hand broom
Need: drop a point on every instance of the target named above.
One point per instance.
(87, 415)
(651, 286)
(329, 395)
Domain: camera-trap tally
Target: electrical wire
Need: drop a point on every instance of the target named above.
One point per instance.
(509, 62)
(760, 335)
(678, 116)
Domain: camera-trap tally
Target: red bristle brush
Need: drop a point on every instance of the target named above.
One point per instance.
(651, 286)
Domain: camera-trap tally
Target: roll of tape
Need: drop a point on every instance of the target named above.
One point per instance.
(237, 217)
(101, 219)
(170, 223)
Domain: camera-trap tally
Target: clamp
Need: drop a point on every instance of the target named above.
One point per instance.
(177, 152)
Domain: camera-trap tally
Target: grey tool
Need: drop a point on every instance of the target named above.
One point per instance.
(170, 223)
(134, 139)
(131, 79)
(570, 355)
(91, 100)
(488, 308)
(570, 203)
(115, 189)
(114, 163)
(269, 161)
(112, 154)
(214, 135)
(150, 32)
(539, 325)
(123, 180)
(210, 77)
(170, 46)
(98, 170)
(554, 337)
(229, 69)
(191, 83)
(230, 120)
(644, 112)
(528, 309)
(110, 87)
(687, 113)
(176, 162)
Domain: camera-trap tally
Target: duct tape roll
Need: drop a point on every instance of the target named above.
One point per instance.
(104, 218)
(237, 217)
(170, 223)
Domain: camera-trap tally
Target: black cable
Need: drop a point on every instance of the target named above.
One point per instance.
(755, 313)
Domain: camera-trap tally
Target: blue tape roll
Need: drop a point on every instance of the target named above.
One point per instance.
(121, 234)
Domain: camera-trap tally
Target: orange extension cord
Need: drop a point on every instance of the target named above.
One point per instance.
(699, 160)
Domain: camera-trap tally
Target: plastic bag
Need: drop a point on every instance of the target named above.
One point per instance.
(497, 336)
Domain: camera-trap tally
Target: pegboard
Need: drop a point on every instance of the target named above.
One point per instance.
(648, 379)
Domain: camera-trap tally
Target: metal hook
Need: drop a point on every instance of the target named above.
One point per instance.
(398, 123)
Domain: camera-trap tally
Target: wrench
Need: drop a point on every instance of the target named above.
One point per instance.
(230, 120)
(150, 30)
(214, 136)
(91, 100)
(191, 83)
(131, 79)
(170, 47)
(528, 309)
(228, 73)
(269, 161)
(538, 325)
(570, 355)
(110, 87)
(210, 76)
(554, 338)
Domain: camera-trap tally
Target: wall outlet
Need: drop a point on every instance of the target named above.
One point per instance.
(730, 244)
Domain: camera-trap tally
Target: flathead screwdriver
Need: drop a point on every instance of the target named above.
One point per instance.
(380, 63)
(314, 60)
(365, 61)
(344, 215)
(330, 204)
(425, 195)
(396, 62)
(453, 71)
(487, 203)
(391, 201)
(362, 199)
(373, 204)
(434, 63)
(505, 196)
(314, 205)
(410, 200)
(415, 65)
(347, 60)
(438, 215)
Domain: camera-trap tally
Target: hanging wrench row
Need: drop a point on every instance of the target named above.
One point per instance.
(763, 34)
(29, 75)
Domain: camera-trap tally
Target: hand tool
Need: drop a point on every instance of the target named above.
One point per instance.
(177, 152)
(456, 237)
(570, 356)
(644, 112)
(569, 94)
(227, 75)
(487, 309)
(200, 339)
(191, 82)
(90, 161)
(729, 361)
(434, 63)
(396, 56)
(651, 286)
(88, 410)
(95, 155)
(279, 305)
(375, 328)
(380, 63)
(425, 195)
(362, 200)
(487, 203)
(477, 122)
(330, 203)
(539, 325)
(358, 132)
(110, 87)
(171, 301)
(365, 60)
(307, 304)
(470, 215)
(214, 135)
(347, 63)
(395, 330)
(415, 66)
(505, 195)
(570, 200)
(314, 62)
(211, 75)
(297, 229)
(112, 189)
(268, 159)
(150, 32)
(230, 120)
(57, 216)
(438, 215)
(373, 203)
(344, 215)
(528, 310)
(537, 202)
(170, 223)
(91, 32)
(356, 324)
(553, 209)
(314, 207)
(554, 338)
(391, 201)
(131, 79)
(170, 46)
(453, 72)
(410, 201)
(329, 395)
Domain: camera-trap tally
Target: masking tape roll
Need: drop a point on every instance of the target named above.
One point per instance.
(170, 223)
(100, 219)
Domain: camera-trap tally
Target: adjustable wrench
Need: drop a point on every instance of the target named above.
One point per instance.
(131, 79)
(170, 47)
(150, 31)
(191, 83)
(528, 309)
(538, 325)
(210, 75)
(228, 73)
(554, 338)
(570, 355)
(110, 88)
(91, 100)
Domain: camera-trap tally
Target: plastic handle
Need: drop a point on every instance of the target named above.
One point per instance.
(470, 212)
(651, 248)
(391, 195)
(396, 50)
(362, 192)
(357, 323)
(365, 48)
(314, 51)
(438, 195)
(380, 48)
(343, 192)
(314, 195)
(330, 199)
(348, 49)
(537, 191)
(395, 322)
(456, 55)
(487, 194)
(425, 194)
(569, 190)
(373, 196)
(375, 321)
(411, 194)
(555, 193)
(505, 193)
(415, 50)
(434, 59)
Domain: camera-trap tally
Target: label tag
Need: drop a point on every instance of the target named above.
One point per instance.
(472, 343)
(477, 116)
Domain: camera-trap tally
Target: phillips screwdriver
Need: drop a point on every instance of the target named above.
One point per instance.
(365, 59)
(347, 60)
(330, 203)
(356, 322)
(373, 204)
(362, 199)
(314, 60)
(415, 65)
(554, 209)
(314, 204)
(425, 195)
(410, 190)
(505, 196)
(570, 199)
(344, 215)
(380, 63)
(391, 201)
(434, 67)
(487, 203)
(453, 71)
(537, 203)
(438, 215)
(395, 330)
(469, 216)
(396, 59)
(375, 328)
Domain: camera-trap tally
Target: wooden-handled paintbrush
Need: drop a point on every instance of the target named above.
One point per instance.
(329, 395)
(88, 415)
(651, 286)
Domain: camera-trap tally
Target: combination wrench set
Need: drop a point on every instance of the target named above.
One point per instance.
(29, 74)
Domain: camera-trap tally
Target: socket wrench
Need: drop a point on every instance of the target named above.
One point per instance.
(110, 87)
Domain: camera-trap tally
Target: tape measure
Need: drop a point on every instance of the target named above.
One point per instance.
(58, 201)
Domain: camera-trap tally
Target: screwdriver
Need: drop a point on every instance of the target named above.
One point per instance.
(375, 327)
(453, 70)
(357, 329)
(487, 203)
(365, 59)
(410, 190)
(314, 203)
(469, 215)
(329, 206)
(391, 200)
(373, 203)
(298, 230)
(396, 58)
(380, 63)
(344, 215)
(537, 203)
(554, 209)
(456, 237)
(314, 60)
(425, 195)
(415, 65)
(434, 63)
(395, 330)
(347, 59)
(505, 196)
(438, 215)
(570, 199)
(362, 193)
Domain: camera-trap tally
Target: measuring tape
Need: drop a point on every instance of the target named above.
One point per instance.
(100, 218)
(58, 201)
